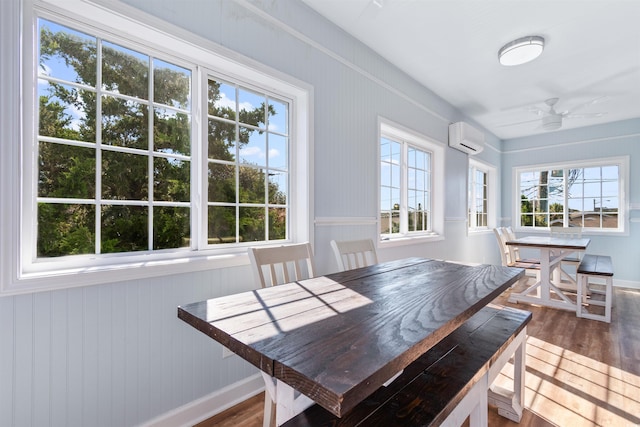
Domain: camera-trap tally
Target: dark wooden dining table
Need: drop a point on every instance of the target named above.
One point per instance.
(337, 338)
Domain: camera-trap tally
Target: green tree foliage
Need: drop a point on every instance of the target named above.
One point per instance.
(222, 140)
(120, 119)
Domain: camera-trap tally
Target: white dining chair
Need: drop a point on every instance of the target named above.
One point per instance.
(515, 250)
(352, 254)
(279, 264)
(508, 254)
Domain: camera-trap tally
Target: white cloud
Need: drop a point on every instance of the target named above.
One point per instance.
(225, 102)
(77, 115)
(246, 106)
(251, 151)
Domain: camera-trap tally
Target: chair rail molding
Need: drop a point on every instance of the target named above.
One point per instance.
(345, 220)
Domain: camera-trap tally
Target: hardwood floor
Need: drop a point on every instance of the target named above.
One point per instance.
(579, 372)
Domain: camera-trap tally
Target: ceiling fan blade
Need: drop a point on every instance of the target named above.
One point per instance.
(584, 116)
(537, 111)
(519, 123)
(590, 102)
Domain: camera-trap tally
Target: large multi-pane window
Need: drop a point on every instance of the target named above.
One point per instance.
(589, 196)
(147, 154)
(406, 184)
(115, 152)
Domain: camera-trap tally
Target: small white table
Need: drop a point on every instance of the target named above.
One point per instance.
(552, 251)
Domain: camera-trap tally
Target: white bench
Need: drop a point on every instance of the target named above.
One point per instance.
(595, 266)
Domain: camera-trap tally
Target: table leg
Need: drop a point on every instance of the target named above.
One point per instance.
(545, 273)
(270, 395)
(290, 403)
(544, 287)
(281, 402)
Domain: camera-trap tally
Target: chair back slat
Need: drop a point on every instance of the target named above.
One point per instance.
(352, 254)
(505, 253)
(283, 263)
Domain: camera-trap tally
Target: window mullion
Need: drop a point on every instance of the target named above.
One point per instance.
(266, 171)
(472, 202)
(150, 144)
(565, 193)
(200, 168)
(404, 189)
(237, 163)
(98, 126)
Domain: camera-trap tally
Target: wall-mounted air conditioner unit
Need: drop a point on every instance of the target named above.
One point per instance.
(464, 137)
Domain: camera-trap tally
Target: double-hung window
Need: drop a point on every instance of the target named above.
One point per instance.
(481, 196)
(410, 184)
(590, 195)
(145, 150)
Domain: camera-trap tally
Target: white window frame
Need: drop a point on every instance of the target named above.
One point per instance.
(622, 162)
(492, 196)
(23, 274)
(398, 132)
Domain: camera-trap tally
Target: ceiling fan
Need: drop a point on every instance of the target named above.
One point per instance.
(552, 119)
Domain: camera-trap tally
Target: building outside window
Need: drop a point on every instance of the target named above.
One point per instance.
(590, 195)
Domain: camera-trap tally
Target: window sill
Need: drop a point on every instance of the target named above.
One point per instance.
(585, 232)
(480, 231)
(410, 240)
(47, 280)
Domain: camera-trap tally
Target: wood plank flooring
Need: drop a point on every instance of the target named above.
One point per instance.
(579, 372)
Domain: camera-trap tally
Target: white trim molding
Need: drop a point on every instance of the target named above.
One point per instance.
(207, 406)
(566, 144)
(345, 220)
(455, 219)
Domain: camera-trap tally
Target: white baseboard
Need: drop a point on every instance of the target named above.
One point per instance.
(207, 406)
(631, 284)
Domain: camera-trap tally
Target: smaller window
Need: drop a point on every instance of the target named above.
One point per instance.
(411, 203)
(481, 197)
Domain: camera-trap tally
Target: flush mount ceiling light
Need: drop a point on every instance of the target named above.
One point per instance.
(521, 51)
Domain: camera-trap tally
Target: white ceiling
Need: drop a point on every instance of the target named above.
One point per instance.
(592, 52)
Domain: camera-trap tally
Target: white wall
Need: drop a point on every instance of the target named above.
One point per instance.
(116, 354)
